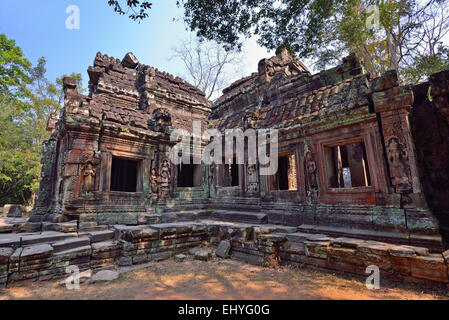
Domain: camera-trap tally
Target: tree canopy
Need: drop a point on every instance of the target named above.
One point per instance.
(407, 35)
(27, 98)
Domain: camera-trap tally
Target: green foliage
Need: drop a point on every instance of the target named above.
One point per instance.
(27, 99)
(138, 8)
(14, 69)
(426, 64)
(325, 30)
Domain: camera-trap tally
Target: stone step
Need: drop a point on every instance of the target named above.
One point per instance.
(100, 235)
(65, 227)
(71, 243)
(235, 205)
(46, 237)
(238, 216)
(434, 243)
(180, 216)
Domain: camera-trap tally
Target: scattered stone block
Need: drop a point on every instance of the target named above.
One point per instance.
(180, 257)
(203, 255)
(130, 61)
(12, 210)
(125, 261)
(104, 276)
(223, 249)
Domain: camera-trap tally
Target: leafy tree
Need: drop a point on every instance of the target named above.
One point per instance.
(27, 99)
(14, 69)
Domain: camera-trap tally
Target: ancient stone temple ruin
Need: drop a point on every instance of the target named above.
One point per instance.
(363, 167)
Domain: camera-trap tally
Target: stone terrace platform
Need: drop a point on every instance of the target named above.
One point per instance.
(44, 255)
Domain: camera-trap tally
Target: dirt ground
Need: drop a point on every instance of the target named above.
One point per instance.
(223, 280)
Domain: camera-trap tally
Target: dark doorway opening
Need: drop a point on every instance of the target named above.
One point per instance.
(234, 174)
(186, 175)
(283, 173)
(124, 175)
(231, 174)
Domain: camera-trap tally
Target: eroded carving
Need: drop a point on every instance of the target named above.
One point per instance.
(397, 158)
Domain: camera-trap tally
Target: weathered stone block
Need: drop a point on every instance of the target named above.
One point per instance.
(12, 210)
(72, 254)
(10, 241)
(99, 236)
(401, 251)
(5, 253)
(294, 247)
(125, 261)
(47, 236)
(35, 252)
(316, 249)
(130, 61)
(70, 243)
(347, 242)
(297, 237)
(223, 249)
(432, 267)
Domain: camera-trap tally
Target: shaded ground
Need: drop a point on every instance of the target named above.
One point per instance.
(223, 279)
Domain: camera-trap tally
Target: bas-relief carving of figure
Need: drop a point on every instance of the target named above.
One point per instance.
(212, 174)
(165, 178)
(154, 184)
(89, 178)
(253, 183)
(397, 157)
(165, 173)
(311, 172)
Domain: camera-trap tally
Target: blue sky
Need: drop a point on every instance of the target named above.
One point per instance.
(39, 28)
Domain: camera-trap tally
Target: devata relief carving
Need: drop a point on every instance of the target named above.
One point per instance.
(397, 158)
